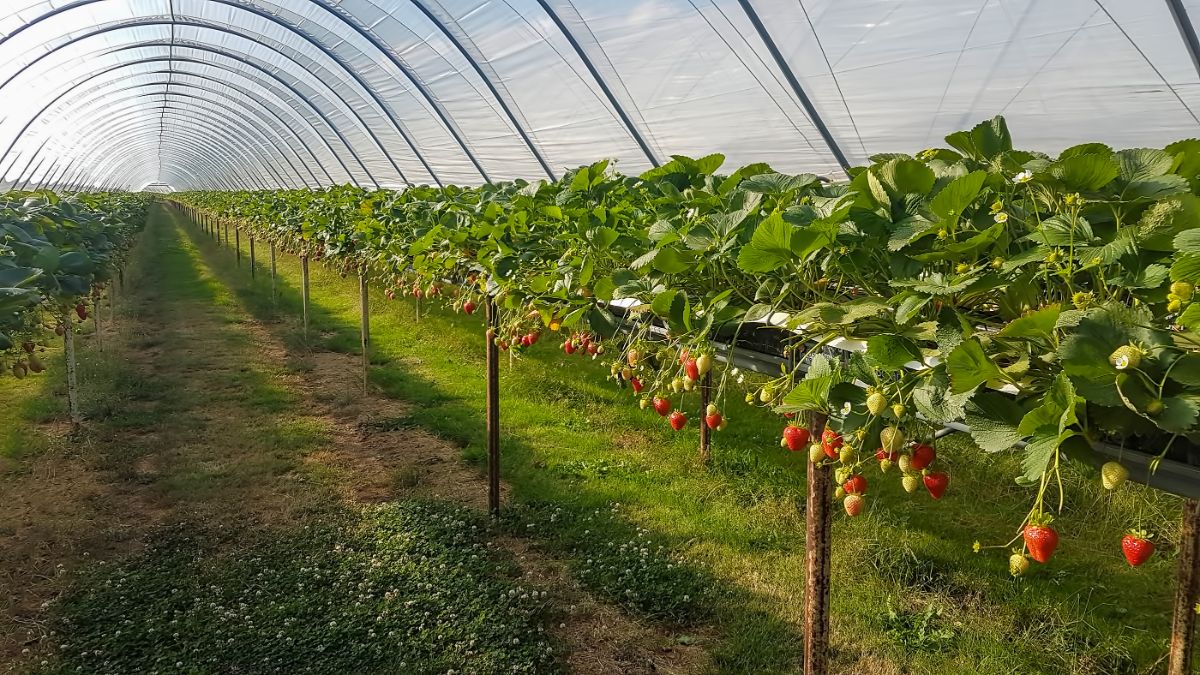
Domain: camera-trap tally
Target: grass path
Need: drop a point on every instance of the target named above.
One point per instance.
(909, 593)
(210, 440)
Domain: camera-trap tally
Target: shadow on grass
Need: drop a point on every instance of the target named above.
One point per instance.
(577, 521)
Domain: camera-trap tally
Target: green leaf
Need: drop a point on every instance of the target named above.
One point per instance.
(1178, 415)
(1190, 319)
(671, 261)
(75, 262)
(812, 393)
(901, 176)
(985, 141)
(934, 400)
(1038, 324)
(1040, 452)
(969, 367)
(993, 419)
(604, 288)
(950, 202)
(892, 352)
(777, 183)
(1186, 267)
(1138, 164)
(1188, 241)
(1085, 172)
(770, 246)
(1150, 276)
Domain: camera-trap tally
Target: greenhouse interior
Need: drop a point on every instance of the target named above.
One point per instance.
(637, 336)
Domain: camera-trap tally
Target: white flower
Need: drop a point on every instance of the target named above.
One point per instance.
(847, 408)
(1023, 177)
(1122, 362)
(1001, 217)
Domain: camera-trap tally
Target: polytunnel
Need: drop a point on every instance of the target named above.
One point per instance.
(293, 93)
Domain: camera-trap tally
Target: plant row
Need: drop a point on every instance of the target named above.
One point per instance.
(1045, 301)
(55, 253)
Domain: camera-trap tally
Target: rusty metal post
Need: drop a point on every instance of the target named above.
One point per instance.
(1187, 592)
(364, 309)
(818, 543)
(493, 408)
(705, 432)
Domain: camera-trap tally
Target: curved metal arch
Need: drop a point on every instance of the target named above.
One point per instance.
(193, 153)
(275, 19)
(189, 153)
(136, 23)
(260, 141)
(379, 44)
(99, 93)
(197, 170)
(53, 102)
(335, 93)
(212, 124)
(603, 84)
(75, 183)
(230, 158)
(252, 119)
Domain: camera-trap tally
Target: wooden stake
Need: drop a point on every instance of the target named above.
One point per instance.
(72, 378)
(237, 246)
(705, 432)
(1187, 592)
(272, 272)
(493, 408)
(253, 274)
(364, 309)
(818, 540)
(96, 319)
(304, 292)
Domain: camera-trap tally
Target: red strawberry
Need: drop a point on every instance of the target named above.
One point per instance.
(1137, 547)
(468, 307)
(922, 456)
(789, 416)
(391, 294)
(796, 437)
(502, 345)
(831, 442)
(81, 311)
(1041, 538)
(533, 337)
(592, 347)
(434, 290)
(936, 483)
(569, 347)
(691, 369)
(678, 420)
(636, 384)
(683, 356)
(857, 485)
(853, 504)
(713, 421)
(882, 454)
(662, 406)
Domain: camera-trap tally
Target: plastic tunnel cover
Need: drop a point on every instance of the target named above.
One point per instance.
(265, 93)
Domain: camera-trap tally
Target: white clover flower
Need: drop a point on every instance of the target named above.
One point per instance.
(1001, 217)
(1023, 177)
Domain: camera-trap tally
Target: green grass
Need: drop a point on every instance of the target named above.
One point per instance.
(908, 591)
(407, 587)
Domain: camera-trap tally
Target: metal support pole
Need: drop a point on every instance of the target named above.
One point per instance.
(72, 378)
(705, 432)
(493, 408)
(364, 309)
(1187, 592)
(818, 540)
(304, 292)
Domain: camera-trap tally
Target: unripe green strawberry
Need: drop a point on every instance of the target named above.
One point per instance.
(885, 465)
(1112, 474)
(839, 493)
(815, 452)
(1155, 408)
(1082, 299)
(911, 482)
(1018, 564)
(876, 403)
(749, 398)
(847, 454)
(892, 439)
(711, 409)
(783, 443)
(898, 410)
(766, 394)
(841, 474)
(644, 403)
(1126, 357)
(905, 463)
(1183, 289)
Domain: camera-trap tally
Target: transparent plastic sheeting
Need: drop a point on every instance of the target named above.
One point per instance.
(185, 94)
